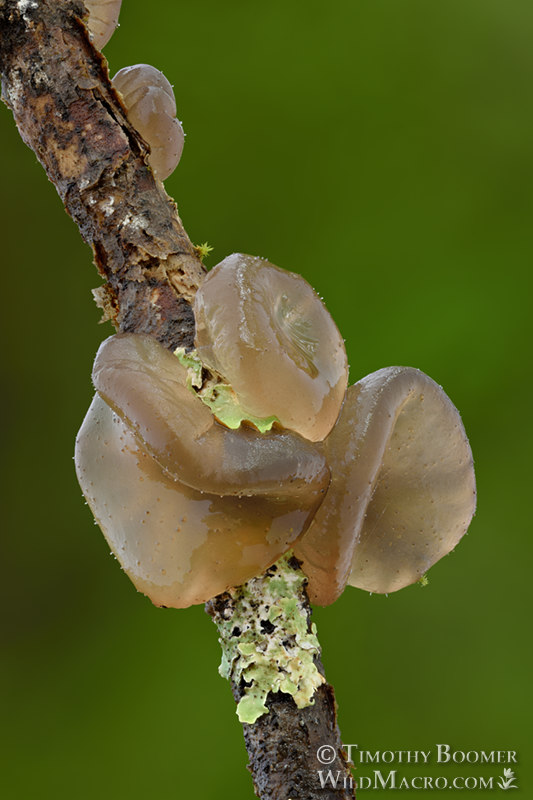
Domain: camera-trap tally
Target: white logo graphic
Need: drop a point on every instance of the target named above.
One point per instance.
(507, 781)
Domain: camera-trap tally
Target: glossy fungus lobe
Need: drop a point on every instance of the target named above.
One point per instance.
(268, 334)
(146, 386)
(402, 492)
(151, 107)
(177, 545)
(103, 19)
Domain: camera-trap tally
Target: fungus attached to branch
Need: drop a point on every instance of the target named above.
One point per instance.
(150, 452)
(151, 108)
(268, 334)
(190, 508)
(146, 386)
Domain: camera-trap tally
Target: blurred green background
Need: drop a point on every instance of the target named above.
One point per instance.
(384, 150)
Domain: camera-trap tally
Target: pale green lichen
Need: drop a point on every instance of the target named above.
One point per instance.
(192, 364)
(219, 397)
(267, 641)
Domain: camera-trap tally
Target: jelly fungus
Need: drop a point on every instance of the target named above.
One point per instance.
(266, 332)
(151, 106)
(103, 19)
(402, 492)
(177, 545)
(188, 506)
(191, 507)
(146, 386)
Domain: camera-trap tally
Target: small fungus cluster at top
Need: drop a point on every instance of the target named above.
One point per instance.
(145, 93)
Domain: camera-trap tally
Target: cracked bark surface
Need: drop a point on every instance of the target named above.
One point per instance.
(58, 88)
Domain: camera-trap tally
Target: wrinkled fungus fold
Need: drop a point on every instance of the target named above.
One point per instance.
(147, 386)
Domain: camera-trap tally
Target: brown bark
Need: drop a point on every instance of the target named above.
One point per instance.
(66, 110)
(286, 759)
(283, 746)
(58, 88)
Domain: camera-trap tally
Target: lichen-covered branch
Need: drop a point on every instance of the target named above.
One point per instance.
(271, 654)
(58, 88)
(267, 642)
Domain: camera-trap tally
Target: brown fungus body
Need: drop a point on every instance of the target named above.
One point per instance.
(191, 508)
(146, 386)
(151, 107)
(103, 19)
(268, 334)
(177, 545)
(402, 492)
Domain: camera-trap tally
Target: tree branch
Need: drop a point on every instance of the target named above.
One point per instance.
(283, 745)
(66, 110)
(58, 88)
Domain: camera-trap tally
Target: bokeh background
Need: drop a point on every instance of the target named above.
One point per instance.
(384, 150)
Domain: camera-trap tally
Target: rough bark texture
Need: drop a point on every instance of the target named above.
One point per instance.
(66, 110)
(292, 751)
(283, 747)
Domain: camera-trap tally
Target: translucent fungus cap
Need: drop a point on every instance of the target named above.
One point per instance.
(402, 492)
(178, 546)
(151, 107)
(268, 334)
(146, 386)
(103, 19)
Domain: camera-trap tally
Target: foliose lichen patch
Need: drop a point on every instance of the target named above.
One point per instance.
(267, 643)
(219, 397)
